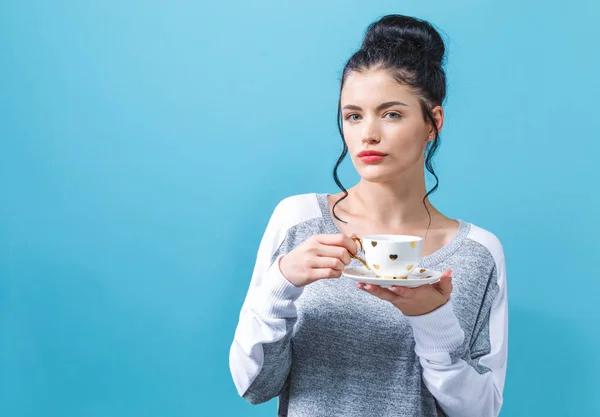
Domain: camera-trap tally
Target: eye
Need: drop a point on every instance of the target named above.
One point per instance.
(353, 117)
(393, 115)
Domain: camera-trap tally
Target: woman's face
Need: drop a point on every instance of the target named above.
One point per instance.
(383, 126)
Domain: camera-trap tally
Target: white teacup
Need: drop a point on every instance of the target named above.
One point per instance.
(391, 256)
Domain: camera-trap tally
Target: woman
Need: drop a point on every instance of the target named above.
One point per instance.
(308, 335)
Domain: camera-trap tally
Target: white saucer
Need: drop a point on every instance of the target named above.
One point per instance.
(420, 276)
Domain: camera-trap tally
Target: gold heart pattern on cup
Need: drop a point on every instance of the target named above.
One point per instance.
(393, 257)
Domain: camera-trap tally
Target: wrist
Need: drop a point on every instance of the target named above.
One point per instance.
(282, 264)
(278, 294)
(437, 331)
(421, 310)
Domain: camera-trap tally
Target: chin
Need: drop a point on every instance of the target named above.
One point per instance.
(377, 174)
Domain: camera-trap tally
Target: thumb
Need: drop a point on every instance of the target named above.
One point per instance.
(445, 283)
(357, 241)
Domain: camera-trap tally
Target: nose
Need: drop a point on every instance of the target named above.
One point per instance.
(370, 133)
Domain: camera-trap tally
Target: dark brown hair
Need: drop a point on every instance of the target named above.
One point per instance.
(413, 53)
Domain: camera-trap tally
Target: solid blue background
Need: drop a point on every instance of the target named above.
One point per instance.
(144, 146)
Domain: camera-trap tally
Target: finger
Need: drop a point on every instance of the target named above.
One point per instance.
(444, 285)
(400, 291)
(382, 293)
(339, 240)
(357, 241)
(409, 292)
(334, 252)
(326, 262)
(447, 274)
(324, 273)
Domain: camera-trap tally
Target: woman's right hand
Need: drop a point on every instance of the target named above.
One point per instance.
(319, 257)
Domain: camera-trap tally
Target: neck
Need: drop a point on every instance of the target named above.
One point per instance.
(393, 205)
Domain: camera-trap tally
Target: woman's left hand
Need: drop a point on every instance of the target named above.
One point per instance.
(415, 301)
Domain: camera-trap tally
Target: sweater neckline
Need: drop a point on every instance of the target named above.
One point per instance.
(427, 261)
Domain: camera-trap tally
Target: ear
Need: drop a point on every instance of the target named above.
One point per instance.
(438, 116)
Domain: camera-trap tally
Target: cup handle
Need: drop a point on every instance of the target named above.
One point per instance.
(359, 240)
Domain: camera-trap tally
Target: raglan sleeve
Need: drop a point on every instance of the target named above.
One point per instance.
(467, 376)
(260, 355)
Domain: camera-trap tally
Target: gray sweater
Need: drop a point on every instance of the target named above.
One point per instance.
(330, 349)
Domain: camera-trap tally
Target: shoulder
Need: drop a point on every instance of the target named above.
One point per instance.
(296, 209)
(289, 212)
(490, 241)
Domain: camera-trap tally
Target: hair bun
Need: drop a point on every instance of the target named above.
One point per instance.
(409, 35)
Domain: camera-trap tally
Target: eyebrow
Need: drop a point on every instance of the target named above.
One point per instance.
(379, 108)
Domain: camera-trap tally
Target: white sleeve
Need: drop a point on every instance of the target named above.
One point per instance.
(260, 355)
(461, 388)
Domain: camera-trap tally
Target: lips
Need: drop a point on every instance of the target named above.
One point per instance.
(370, 153)
(370, 156)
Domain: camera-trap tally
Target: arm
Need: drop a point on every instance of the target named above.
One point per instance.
(260, 355)
(465, 383)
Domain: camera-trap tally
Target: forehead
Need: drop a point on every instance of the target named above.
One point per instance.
(373, 87)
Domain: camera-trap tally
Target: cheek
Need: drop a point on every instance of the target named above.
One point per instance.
(352, 136)
(405, 138)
